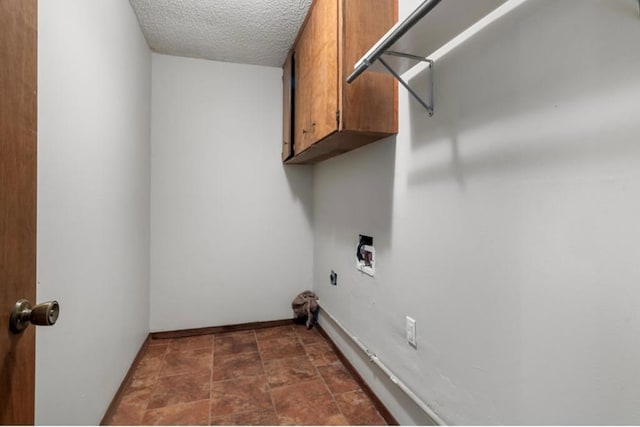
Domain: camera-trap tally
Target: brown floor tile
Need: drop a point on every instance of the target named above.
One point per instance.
(231, 366)
(143, 382)
(308, 403)
(182, 362)
(180, 389)
(158, 350)
(284, 375)
(193, 413)
(276, 332)
(358, 409)
(239, 395)
(149, 366)
(139, 391)
(191, 343)
(338, 378)
(159, 341)
(309, 336)
(127, 415)
(279, 348)
(134, 402)
(256, 418)
(323, 417)
(289, 371)
(321, 354)
(310, 391)
(235, 342)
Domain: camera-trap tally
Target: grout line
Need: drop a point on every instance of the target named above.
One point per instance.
(262, 361)
(322, 378)
(192, 372)
(377, 404)
(266, 376)
(158, 376)
(155, 382)
(332, 395)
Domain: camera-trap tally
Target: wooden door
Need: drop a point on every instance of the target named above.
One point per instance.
(324, 69)
(316, 70)
(18, 108)
(303, 87)
(370, 103)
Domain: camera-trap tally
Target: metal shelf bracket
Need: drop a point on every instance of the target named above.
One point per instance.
(458, 15)
(428, 105)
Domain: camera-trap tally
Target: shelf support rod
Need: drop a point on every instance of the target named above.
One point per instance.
(427, 105)
(395, 34)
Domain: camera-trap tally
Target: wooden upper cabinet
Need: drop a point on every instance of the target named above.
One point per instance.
(327, 115)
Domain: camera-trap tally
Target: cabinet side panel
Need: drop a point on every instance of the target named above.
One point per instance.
(371, 101)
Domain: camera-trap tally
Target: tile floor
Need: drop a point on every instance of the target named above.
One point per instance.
(285, 375)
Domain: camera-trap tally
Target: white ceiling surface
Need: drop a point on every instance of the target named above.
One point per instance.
(258, 32)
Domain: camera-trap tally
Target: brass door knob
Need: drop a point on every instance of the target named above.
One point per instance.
(45, 314)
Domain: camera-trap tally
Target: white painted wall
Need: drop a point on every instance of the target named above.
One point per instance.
(506, 225)
(93, 203)
(231, 227)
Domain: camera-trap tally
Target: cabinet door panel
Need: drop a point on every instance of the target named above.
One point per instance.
(303, 86)
(370, 102)
(324, 68)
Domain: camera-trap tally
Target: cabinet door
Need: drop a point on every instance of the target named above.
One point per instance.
(324, 68)
(302, 90)
(370, 103)
(287, 93)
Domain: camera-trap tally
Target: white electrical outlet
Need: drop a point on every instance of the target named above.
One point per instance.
(411, 331)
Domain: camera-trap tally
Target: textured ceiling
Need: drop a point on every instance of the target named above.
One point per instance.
(256, 32)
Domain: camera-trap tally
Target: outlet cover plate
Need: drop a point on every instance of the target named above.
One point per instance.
(411, 331)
